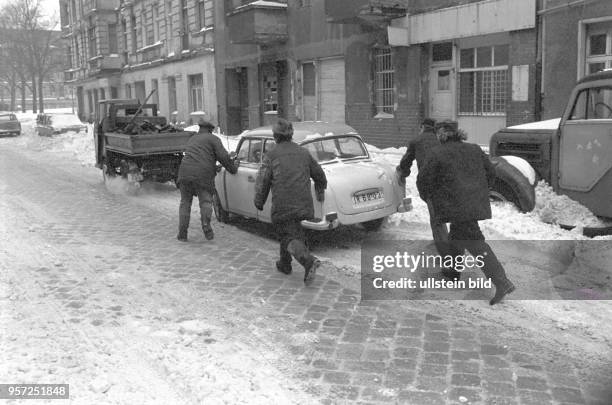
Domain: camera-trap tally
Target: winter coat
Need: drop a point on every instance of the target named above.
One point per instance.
(287, 170)
(456, 177)
(418, 149)
(202, 152)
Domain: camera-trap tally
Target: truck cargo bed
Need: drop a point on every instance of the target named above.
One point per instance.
(147, 143)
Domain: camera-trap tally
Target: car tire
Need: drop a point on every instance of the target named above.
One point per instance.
(374, 224)
(221, 214)
(512, 186)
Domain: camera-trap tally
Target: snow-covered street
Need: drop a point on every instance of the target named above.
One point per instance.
(96, 292)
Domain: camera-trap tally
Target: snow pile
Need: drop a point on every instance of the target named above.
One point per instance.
(560, 209)
(542, 223)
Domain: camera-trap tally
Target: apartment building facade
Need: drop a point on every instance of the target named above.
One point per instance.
(378, 65)
(576, 40)
(128, 48)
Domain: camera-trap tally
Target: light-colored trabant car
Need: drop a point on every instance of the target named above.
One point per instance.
(359, 190)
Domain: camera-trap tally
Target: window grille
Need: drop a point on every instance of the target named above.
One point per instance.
(384, 86)
(483, 81)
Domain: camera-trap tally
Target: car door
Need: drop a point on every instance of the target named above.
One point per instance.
(266, 214)
(240, 188)
(585, 150)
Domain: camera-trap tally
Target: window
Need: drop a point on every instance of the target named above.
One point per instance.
(134, 33)
(270, 91)
(185, 26)
(102, 94)
(155, 96)
(342, 147)
(114, 92)
(592, 104)
(169, 32)
(309, 84)
(196, 92)
(91, 36)
(112, 38)
(128, 91)
(442, 52)
(483, 80)
(384, 87)
(250, 151)
(124, 30)
(205, 11)
(599, 49)
(172, 94)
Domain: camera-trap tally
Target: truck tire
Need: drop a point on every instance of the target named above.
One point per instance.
(512, 186)
(221, 214)
(374, 224)
(107, 173)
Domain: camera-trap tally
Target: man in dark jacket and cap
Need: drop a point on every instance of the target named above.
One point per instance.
(287, 170)
(456, 178)
(196, 177)
(418, 149)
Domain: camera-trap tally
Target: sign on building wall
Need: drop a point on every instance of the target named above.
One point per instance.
(520, 83)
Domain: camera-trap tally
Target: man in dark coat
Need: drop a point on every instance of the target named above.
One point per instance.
(419, 149)
(456, 178)
(287, 170)
(197, 177)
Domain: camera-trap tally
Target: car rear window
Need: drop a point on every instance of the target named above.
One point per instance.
(8, 117)
(341, 147)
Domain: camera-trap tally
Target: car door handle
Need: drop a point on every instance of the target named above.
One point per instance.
(251, 179)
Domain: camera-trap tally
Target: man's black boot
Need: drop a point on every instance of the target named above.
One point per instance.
(501, 290)
(283, 267)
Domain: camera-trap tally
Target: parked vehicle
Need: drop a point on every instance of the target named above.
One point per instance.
(58, 123)
(359, 190)
(9, 125)
(133, 142)
(574, 153)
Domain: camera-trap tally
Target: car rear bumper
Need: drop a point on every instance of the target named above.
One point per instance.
(333, 220)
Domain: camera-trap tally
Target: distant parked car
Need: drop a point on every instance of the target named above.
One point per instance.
(9, 125)
(57, 123)
(359, 190)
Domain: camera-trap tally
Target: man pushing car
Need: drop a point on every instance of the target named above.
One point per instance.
(287, 170)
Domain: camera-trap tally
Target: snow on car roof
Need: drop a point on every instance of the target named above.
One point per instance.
(306, 130)
(63, 119)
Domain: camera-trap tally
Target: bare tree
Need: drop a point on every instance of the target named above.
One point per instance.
(28, 36)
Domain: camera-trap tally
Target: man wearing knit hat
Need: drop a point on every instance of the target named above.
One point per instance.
(197, 177)
(286, 171)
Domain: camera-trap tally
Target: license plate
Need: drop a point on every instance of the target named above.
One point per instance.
(368, 198)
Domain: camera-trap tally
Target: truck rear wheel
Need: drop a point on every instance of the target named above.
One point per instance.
(512, 186)
(221, 214)
(108, 173)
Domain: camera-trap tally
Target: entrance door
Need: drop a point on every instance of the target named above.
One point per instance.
(309, 92)
(332, 90)
(442, 94)
(442, 82)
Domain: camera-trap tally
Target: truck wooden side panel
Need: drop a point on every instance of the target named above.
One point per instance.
(147, 143)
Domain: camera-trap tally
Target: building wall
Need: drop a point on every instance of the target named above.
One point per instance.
(155, 53)
(560, 50)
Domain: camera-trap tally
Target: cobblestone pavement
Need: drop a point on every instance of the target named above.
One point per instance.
(111, 262)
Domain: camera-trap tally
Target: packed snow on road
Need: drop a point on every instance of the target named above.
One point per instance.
(232, 370)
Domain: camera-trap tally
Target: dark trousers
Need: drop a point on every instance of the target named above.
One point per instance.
(188, 190)
(293, 243)
(467, 236)
(439, 231)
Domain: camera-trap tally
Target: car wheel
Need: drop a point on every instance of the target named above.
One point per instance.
(374, 224)
(221, 214)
